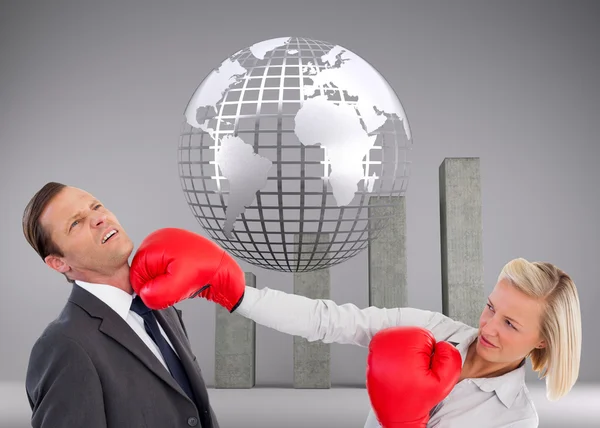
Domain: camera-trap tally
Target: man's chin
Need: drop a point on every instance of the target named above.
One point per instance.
(120, 261)
(126, 252)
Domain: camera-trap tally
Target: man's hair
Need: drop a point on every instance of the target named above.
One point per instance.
(559, 361)
(37, 236)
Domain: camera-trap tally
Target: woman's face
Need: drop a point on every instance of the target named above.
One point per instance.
(509, 326)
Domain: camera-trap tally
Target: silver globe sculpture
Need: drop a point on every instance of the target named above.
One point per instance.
(286, 146)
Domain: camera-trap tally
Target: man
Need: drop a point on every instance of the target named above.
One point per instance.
(107, 361)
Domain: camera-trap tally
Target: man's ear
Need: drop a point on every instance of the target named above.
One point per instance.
(57, 263)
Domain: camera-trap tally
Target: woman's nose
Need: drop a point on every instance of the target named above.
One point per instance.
(490, 327)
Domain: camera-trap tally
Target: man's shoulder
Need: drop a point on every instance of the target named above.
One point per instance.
(57, 332)
(69, 326)
(56, 347)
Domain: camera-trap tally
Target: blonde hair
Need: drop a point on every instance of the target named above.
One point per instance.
(558, 362)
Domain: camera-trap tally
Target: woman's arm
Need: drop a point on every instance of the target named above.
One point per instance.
(323, 319)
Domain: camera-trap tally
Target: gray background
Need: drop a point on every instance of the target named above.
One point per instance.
(92, 94)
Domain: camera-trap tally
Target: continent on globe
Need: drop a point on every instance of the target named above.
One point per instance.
(349, 72)
(211, 91)
(213, 88)
(261, 48)
(337, 128)
(246, 173)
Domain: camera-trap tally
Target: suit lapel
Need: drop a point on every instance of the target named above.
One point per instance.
(116, 328)
(169, 319)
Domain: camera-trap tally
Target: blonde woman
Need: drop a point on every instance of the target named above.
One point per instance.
(533, 312)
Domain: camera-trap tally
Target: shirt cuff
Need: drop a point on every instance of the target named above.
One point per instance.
(251, 296)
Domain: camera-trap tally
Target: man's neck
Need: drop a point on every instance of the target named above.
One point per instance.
(118, 279)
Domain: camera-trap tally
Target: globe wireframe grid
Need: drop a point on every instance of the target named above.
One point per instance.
(294, 224)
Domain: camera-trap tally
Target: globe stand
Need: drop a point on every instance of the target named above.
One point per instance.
(312, 368)
(461, 239)
(235, 347)
(387, 254)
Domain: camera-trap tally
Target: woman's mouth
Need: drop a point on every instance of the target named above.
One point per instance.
(486, 343)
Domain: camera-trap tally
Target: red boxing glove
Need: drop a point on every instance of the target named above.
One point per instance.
(174, 264)
(408, 374)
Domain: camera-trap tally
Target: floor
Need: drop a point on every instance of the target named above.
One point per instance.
(336, 407)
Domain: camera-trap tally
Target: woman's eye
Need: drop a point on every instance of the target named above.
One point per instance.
(74, 223)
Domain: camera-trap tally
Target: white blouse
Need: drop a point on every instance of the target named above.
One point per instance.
(499, 402)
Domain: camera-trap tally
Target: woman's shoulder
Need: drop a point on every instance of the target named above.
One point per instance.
(524, 410)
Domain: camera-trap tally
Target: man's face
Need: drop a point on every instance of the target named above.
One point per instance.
(511, 321)
(78, 223)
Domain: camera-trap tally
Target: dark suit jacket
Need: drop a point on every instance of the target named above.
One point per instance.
(89, 369)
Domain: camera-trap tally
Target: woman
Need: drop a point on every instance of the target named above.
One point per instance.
(533, 312)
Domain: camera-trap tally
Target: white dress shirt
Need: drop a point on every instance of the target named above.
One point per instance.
(498, 402)
(120, 302)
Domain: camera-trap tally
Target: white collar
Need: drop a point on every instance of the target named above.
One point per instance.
(115, 298)
(507, 386)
